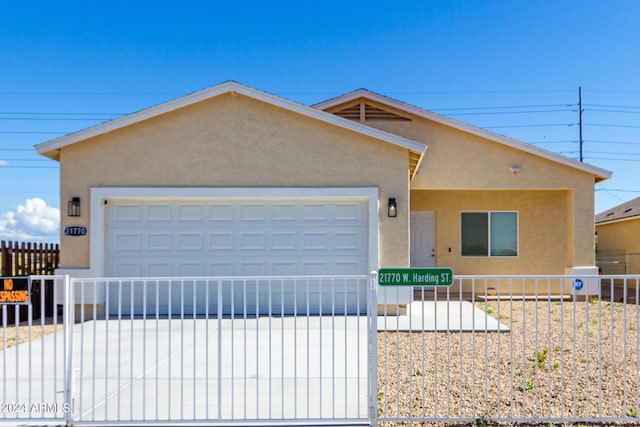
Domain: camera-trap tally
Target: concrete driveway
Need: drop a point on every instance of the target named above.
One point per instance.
(198, 369)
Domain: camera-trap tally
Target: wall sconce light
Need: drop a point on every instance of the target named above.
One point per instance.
(73, 209)
(393, 208)
(514, 169)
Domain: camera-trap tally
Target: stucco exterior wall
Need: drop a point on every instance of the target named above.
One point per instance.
(542, 229)
(457, 160)
(233, 141)
(622, 237)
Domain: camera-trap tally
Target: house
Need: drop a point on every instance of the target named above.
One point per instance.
(618, 246)
(234, 181)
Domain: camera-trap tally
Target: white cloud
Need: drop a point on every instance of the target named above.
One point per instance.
(33, 221)
(4, 163)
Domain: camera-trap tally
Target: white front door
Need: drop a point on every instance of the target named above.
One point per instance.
(423, 239)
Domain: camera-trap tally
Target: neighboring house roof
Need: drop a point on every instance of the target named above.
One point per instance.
(51, 148)
(625, 211)
(600, 174)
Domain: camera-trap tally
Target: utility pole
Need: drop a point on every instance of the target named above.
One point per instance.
(580, 111)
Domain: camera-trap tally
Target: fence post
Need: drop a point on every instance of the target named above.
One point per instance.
(4, 259)
(68, 347)
(372, 317)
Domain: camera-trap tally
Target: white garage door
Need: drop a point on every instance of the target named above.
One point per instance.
(241, 238)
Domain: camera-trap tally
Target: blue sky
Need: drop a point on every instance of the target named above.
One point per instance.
(69, 65)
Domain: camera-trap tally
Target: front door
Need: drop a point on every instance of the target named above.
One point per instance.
(423, 239)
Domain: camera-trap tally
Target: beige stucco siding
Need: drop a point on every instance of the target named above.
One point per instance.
(542, 229)
(622, 237)
(235, 141)
(458, 160)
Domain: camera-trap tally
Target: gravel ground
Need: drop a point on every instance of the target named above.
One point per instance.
(23, 334)
(549, 366)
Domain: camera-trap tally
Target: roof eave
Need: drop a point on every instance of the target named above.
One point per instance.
(613, 221)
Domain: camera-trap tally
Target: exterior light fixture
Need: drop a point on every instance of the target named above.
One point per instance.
(514, 169)
(73, 208)
(393, 208)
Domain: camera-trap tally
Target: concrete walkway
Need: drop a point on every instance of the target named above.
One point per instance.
(441, 316)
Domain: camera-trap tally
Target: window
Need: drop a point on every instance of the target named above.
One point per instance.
(489, 234)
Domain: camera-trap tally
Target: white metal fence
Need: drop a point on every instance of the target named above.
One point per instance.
(205, 350)
(34, 369)
(515, 349)
(306, 350)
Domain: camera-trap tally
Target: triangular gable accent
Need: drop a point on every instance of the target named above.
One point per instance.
(51, 148)
(364, 95)
(363, 111)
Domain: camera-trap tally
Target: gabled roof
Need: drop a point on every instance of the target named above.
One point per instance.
(627, 210)
(51, 148)
(600, 174)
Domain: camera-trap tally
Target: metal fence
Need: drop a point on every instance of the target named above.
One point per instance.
(555, 349)
(202, 350)
(514, 349)
(33, 353)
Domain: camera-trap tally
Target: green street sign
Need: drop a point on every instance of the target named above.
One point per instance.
(415, 277)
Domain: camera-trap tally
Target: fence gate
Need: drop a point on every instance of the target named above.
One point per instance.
(193, 350)
(34, 348)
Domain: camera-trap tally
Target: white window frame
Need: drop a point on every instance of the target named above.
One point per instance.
(488, 212)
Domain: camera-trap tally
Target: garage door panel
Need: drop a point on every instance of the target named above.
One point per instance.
(220, 212)
(159, 241)
(126, 241)
(250, 212)
(193, 241)
(221, 241)
(160, 269)
(241, 238)
(155, 213)
(252, 241)
(187, 213)
(284, 268)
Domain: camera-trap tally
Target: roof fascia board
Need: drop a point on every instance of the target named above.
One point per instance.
(522, 146)
(613, 221)
(219, 90)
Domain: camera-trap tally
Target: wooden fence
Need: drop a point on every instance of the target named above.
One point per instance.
(24, 259)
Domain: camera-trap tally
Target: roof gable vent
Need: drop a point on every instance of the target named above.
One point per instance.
(366, 112)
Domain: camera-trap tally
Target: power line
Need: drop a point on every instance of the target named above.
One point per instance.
(606, 125)
(531, 126)
(559, 141)
(92, 93)
(61, 119)
(27, 167)
(613, 111)
(617, 190)
(613, 106)
(609, 153)
(24, 160)
(511, 112)
(612, 159)
(38, 113)
(30, 132)
(504, 107)
(604, 141)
